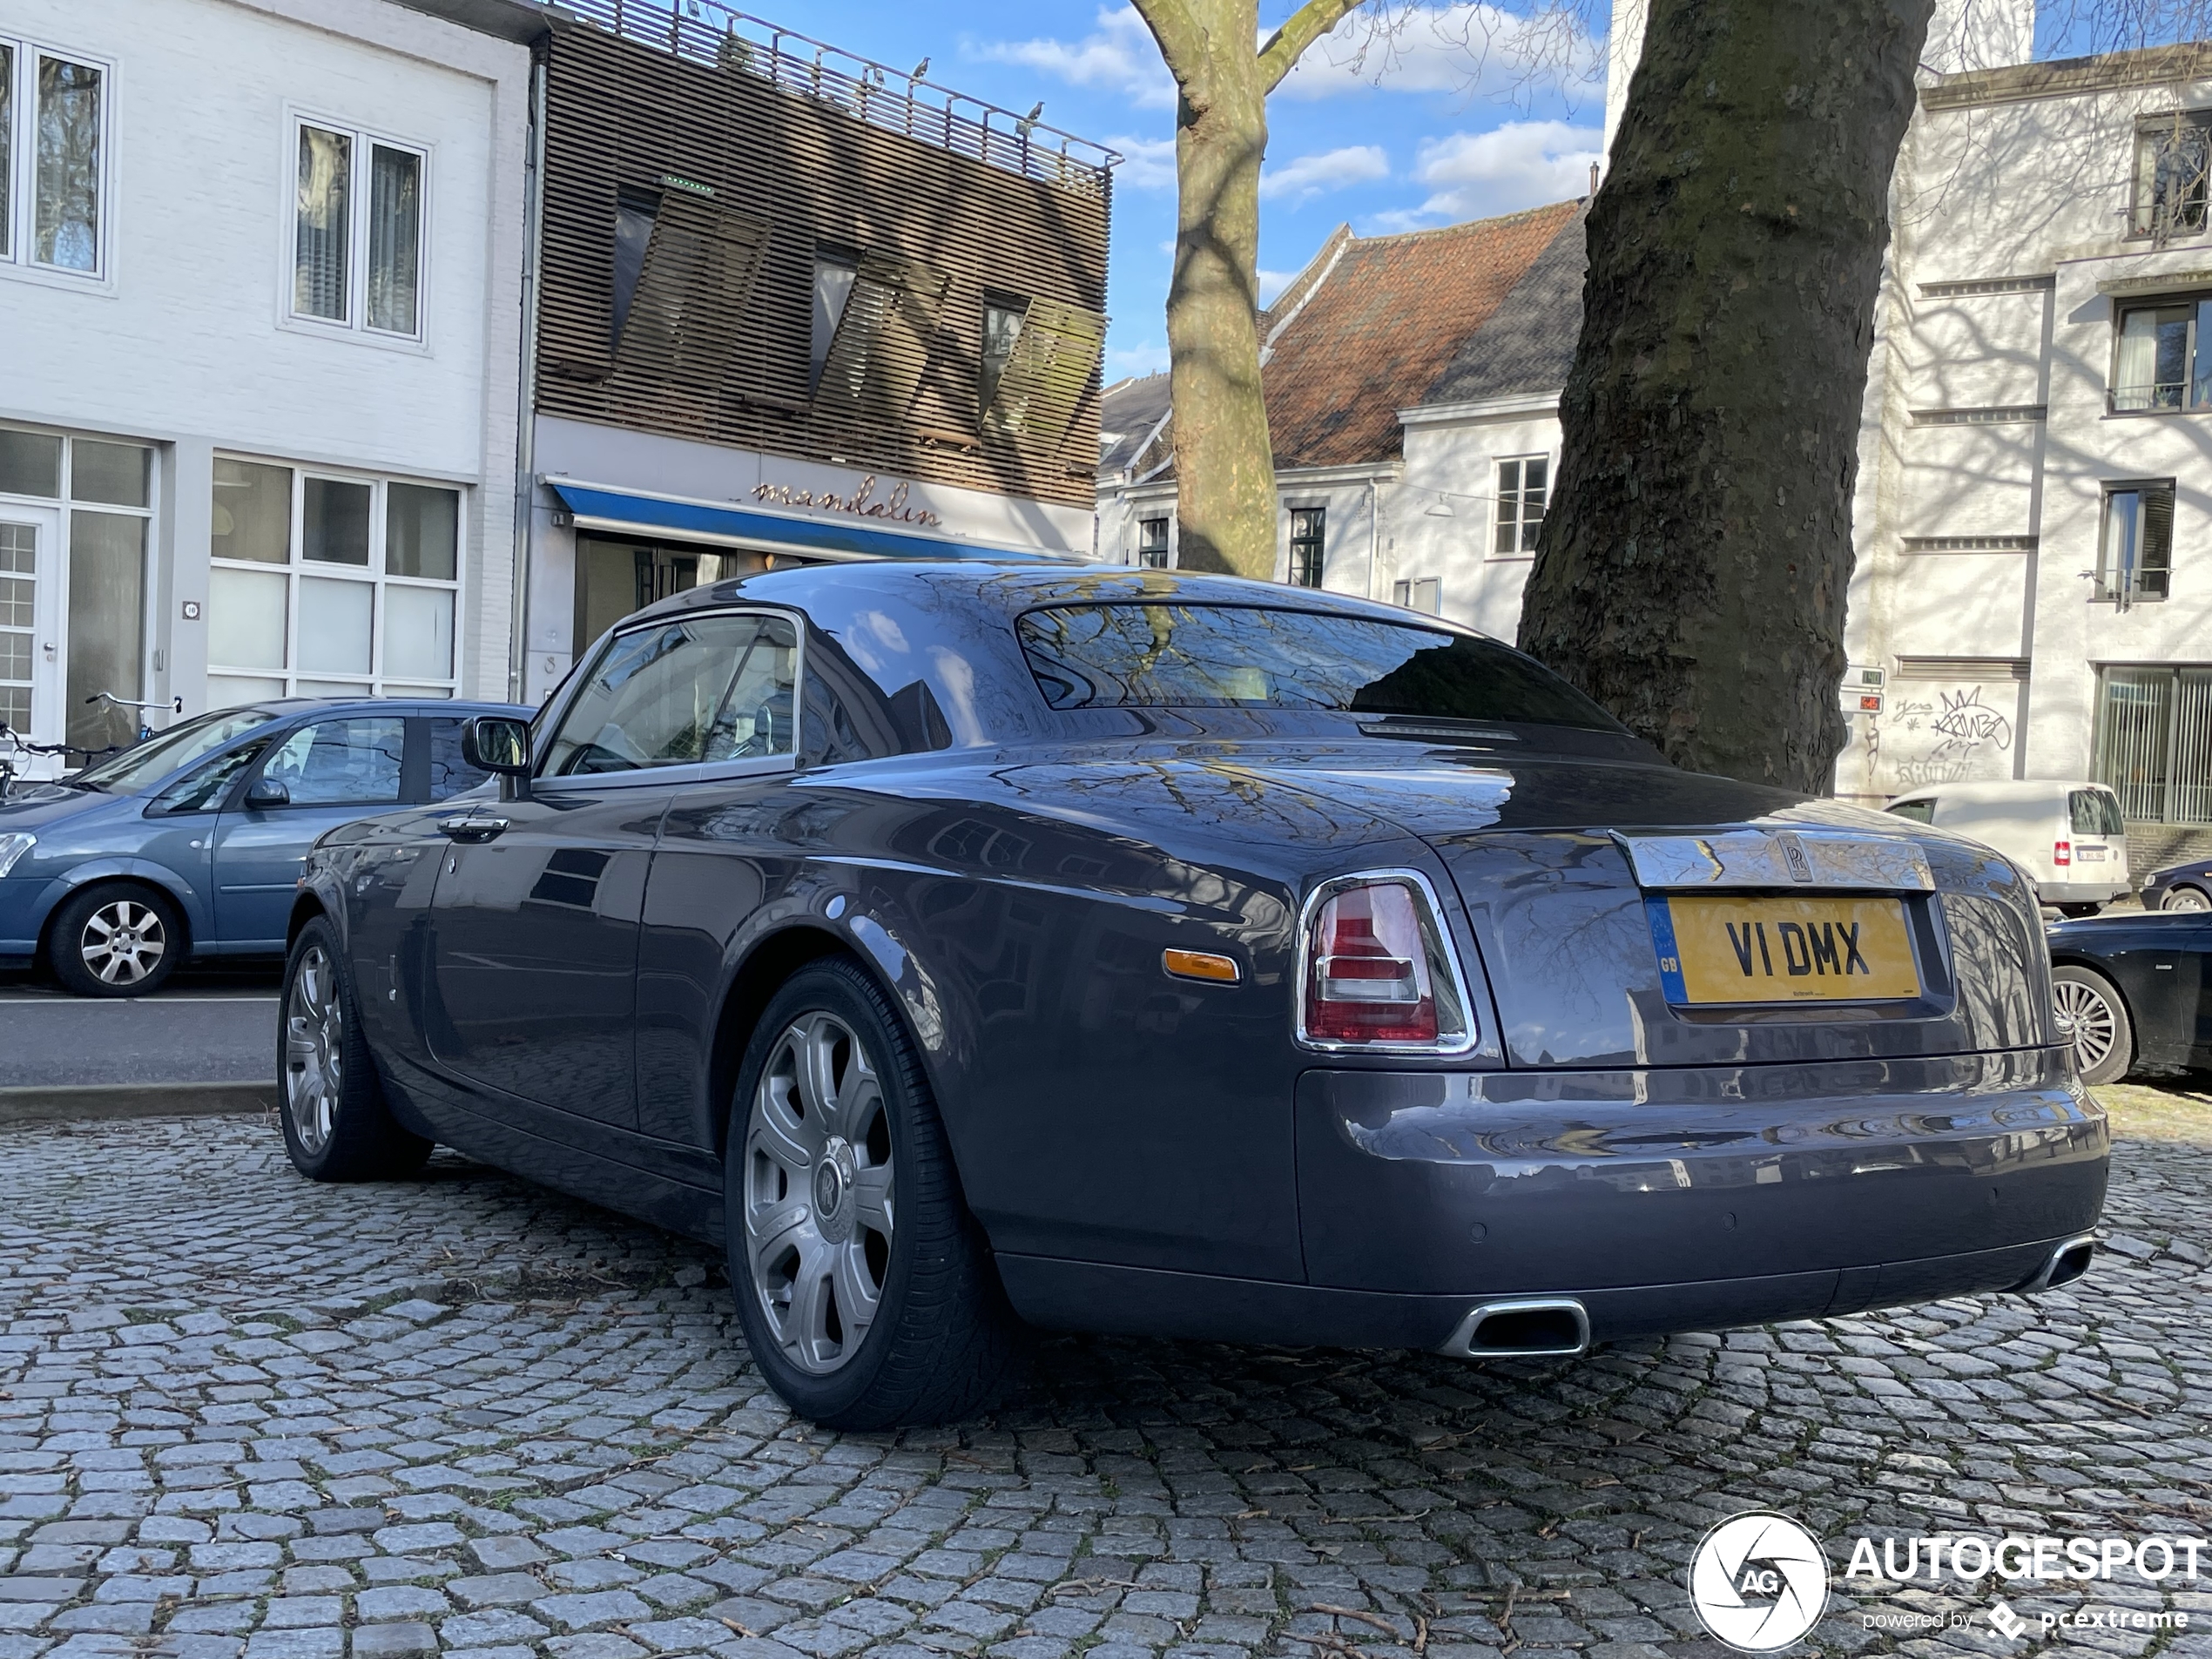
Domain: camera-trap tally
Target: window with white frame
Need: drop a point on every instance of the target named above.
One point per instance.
(357, 244)
(1309, 545)
(1152, 544)
(327, 584)
(2135, 547)
(1522, 484)
(55, 202)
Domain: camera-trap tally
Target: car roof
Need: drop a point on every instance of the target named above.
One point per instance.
(1014, 586)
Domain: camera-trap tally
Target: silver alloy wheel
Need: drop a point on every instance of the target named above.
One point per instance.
(315, 1049)
(2096, 1022)
(122, 942)
(819, 1200)
(2185, 898)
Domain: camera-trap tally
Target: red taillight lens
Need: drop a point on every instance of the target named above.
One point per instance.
(1377, 972)
(2062, 852)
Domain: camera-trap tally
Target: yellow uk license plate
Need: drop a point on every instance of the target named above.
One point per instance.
(1716, 949)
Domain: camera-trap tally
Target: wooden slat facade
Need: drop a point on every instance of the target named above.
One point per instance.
(752, 178)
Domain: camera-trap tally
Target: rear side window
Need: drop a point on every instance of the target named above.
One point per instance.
(449, 773)
(1920, 812)
(1200, 656)
(2095, 813)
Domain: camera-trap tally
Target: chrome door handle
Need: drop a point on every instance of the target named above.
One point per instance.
(471, 828)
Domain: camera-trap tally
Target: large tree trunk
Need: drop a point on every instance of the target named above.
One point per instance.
(1224, 463)
(1693, 571)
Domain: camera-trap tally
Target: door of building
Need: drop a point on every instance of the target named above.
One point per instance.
(614, 578)
(30, 633)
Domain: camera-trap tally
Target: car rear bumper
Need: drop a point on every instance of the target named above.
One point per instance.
(1143, 1301)
(1657, 1200)
(2103, 891)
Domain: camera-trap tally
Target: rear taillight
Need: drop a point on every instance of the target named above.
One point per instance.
(2062, 852)
(1379, 972)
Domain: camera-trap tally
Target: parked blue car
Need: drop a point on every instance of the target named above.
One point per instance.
(189, 846)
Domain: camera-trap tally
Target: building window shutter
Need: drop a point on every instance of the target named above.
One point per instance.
(1050, 367)
(686, 312)
(883, 339)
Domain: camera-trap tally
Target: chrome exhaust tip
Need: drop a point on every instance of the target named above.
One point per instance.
(1535, 1327)
(2067, 1261)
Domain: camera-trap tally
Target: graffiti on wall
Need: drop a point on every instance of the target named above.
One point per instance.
(1930, 732)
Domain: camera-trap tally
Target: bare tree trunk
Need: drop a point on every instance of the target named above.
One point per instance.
(1693, 571)
(1225, 464)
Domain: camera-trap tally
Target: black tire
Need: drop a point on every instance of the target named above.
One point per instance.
(940, 1341)
(2104, 1038)
(2184, 896)
(345, 1132)
(115, 939)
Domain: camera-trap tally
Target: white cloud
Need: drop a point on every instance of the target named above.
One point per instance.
(1147, 164)
(1271, 283)
(1119, 57)
(1146, 357)
(1522, 163)
(1470, 49)
(1310, 176)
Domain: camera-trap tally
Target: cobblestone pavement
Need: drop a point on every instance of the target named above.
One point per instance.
(240, 1412)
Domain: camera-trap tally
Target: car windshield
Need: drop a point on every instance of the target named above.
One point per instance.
(159, 756)
(1208, 655)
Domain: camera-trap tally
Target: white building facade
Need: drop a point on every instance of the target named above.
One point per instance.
(259, 289)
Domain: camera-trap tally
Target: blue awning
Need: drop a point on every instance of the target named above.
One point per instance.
(767, 530)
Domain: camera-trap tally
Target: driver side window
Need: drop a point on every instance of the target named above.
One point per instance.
(681, 692)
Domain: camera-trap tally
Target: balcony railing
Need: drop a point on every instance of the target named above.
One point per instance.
(2159, 395)
(702, 32)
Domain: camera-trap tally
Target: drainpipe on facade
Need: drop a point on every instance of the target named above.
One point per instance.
(1374, 531)
(526, 416)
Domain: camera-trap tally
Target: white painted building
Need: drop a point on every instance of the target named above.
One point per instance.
(259, 287)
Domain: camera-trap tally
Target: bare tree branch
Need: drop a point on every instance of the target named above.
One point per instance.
(1287, 45)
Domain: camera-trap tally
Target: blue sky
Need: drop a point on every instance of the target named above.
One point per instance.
(1444, 121)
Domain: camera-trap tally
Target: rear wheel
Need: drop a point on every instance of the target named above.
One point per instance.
(2186, 898)
(866, 1291)
(2104, 1041)
(116, 939)
(336, 1126)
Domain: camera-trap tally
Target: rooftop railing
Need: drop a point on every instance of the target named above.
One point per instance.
(702, 31)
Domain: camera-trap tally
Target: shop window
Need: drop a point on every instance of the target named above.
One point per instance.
(54, 195)
(357, 231)
(2154, 741)
(1309, 532)
(330, 586)
(1152, 544)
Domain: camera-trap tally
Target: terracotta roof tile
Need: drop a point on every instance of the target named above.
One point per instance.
(1376, 332)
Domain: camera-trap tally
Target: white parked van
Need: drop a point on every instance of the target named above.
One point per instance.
(2069, 836)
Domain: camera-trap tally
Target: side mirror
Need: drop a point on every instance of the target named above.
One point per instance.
(267, 791)
(499, 744)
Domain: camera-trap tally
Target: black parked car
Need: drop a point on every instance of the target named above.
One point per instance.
(1129, 951)
(2138, 989)
(2179, 886)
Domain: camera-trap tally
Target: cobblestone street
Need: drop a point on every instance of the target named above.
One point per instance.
(241, 1412)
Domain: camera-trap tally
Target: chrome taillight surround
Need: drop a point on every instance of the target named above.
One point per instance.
(1443, 954)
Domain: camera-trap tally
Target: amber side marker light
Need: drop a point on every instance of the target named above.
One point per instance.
(1201, 964)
